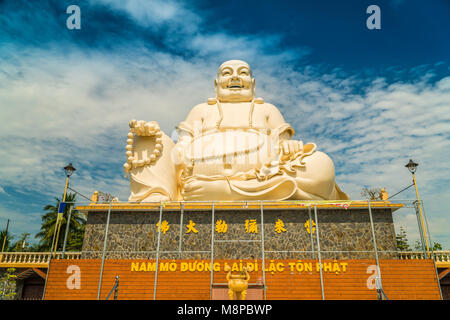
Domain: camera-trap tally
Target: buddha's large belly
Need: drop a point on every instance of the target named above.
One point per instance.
(227, 153)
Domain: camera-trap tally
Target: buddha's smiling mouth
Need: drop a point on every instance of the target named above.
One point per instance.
(235, 84)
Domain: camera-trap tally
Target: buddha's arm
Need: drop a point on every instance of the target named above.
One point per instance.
(275, 121)
(181, 147)
(283, 131)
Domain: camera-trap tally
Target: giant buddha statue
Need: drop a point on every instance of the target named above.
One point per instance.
(232, 147)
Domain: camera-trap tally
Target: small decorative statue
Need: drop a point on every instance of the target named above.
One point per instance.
(237, 283)
(383, 194)
(94, 197)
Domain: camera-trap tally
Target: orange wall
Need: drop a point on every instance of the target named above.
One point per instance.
(402, 279)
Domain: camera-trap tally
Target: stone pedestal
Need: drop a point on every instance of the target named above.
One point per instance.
(344, 230)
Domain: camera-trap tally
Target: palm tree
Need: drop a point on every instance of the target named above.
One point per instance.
(9, 238)
(21, 244)
(76, 226)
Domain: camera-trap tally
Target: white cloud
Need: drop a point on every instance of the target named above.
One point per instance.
(157, 14)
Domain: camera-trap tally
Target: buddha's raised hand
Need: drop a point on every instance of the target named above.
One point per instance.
(144, 128)
(135, 156)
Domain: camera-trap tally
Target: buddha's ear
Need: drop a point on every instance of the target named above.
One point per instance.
(253, 84)
(215, 86)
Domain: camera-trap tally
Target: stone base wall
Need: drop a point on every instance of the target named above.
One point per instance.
(343, 234)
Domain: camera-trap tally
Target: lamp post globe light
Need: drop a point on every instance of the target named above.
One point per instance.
(412, 167)
(69, 169)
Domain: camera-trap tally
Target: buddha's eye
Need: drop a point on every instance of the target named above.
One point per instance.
(226, 73)
(245, 73)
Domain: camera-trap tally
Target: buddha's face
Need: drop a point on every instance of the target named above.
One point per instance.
(234, 82)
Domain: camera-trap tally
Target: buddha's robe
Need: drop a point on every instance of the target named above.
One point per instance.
(235, 156)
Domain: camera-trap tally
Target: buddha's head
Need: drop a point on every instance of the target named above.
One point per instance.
(234, 82)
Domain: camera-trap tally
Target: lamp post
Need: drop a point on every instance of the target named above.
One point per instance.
(412, 166)
(69, 169)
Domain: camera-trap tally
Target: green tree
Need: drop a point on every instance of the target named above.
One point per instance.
(8, 284)
(76, 241)
(9, 238)
(76, 226)
(418, 245)
(402, 240)
(437, 246)
(21, 244)
(36, 247)
(371, 194)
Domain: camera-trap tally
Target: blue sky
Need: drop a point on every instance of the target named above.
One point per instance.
(371, 99)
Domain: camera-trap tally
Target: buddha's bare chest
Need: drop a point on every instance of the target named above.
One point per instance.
(234, 116)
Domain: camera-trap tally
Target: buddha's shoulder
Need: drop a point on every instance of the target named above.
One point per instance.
(267, 107)
(198, 110)
(201, 106)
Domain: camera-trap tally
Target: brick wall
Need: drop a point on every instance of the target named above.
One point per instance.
(402, 279)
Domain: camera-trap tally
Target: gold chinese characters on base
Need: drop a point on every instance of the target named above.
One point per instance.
(237, 283)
